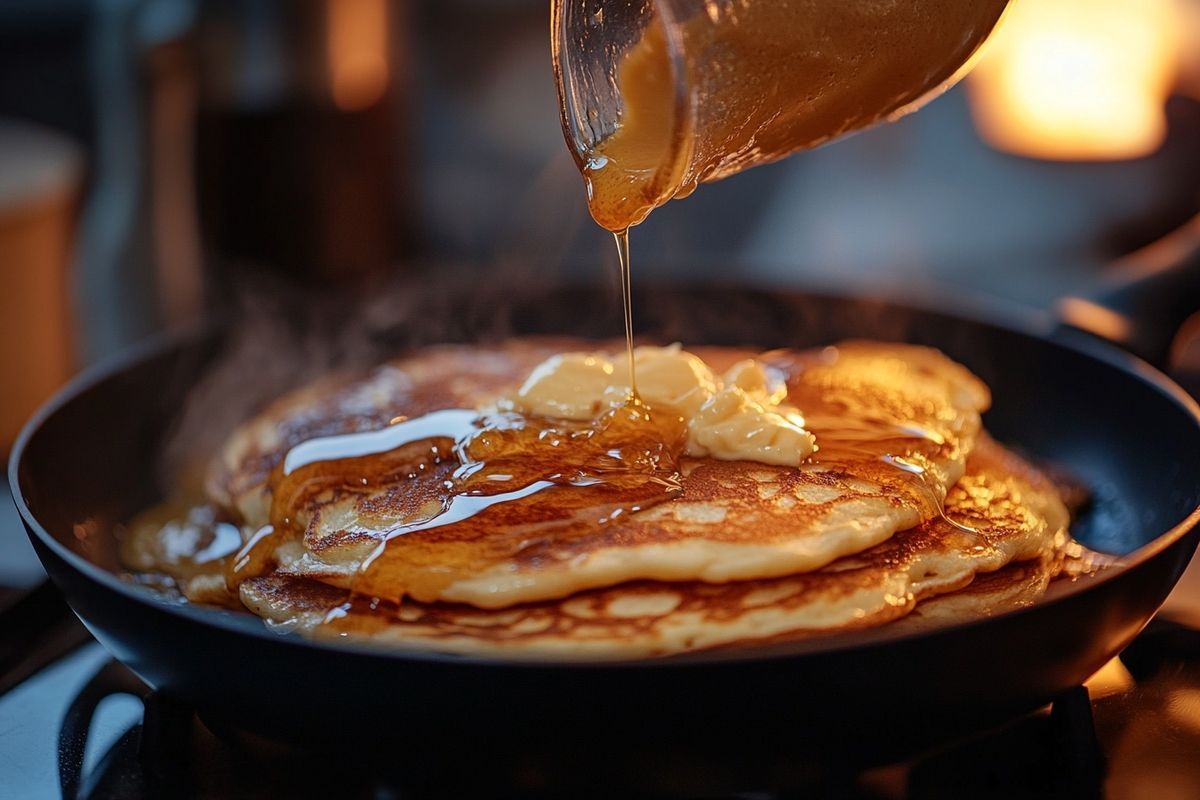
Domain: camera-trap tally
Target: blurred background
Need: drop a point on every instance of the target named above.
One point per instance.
(159, 157)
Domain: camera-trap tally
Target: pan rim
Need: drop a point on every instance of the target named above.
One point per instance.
(988, 314)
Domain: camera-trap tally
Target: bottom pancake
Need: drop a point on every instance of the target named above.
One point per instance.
(1017, 585)
(1001, 512)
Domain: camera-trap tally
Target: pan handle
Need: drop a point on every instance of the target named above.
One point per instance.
(1145, 300)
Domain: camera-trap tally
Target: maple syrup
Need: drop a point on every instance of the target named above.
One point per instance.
(855, 435)
(622, 240)
(480, 488)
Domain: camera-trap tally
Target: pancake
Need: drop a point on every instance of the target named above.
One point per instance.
(893, 424)
(1002, 512)
(1015, 586)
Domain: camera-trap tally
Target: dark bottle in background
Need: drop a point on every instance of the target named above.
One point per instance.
(234, 137)
(300, 138)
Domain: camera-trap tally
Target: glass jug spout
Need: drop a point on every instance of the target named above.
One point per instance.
(658, 96)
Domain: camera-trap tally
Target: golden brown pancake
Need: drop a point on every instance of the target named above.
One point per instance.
(1002, 511)
(881, 414)
(1015, 586)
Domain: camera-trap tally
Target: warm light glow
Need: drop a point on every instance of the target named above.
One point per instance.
(1079, 79)
(1095, 318)
(1112, 678)
(358, 52)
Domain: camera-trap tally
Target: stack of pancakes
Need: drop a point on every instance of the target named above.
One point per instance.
(746, 553)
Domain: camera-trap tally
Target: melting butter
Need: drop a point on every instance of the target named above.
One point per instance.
(739, 416)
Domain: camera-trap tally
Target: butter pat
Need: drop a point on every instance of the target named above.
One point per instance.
(575, 386)
(739, 416)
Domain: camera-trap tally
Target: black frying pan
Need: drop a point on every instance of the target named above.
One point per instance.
(86, 461)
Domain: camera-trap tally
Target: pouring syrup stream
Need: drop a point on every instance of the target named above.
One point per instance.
(622, 239)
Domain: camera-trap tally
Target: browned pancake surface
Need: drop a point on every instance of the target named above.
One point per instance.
(871, 406)
(1002, 512)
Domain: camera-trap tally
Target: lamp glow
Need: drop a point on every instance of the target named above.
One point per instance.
(1077, 80)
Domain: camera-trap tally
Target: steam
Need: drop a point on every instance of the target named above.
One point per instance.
(277, 337)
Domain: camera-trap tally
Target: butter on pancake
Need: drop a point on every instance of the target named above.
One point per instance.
(893, 426)
(739, 416)
(1002, 513)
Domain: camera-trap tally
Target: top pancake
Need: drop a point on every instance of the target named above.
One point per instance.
(881, 414)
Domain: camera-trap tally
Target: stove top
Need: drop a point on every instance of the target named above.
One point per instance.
(87, 727)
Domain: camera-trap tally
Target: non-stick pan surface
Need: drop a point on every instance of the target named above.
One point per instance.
(89, 458)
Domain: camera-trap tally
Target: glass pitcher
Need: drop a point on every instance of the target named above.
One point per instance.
(657, 96)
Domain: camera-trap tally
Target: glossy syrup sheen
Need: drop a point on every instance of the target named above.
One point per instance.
(853, 436)
(626, 267)
(482, 489)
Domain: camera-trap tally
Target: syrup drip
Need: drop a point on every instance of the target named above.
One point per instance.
(254, 557)
(850, 452)
(549, 477)
(347, 464)
(622, 238)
